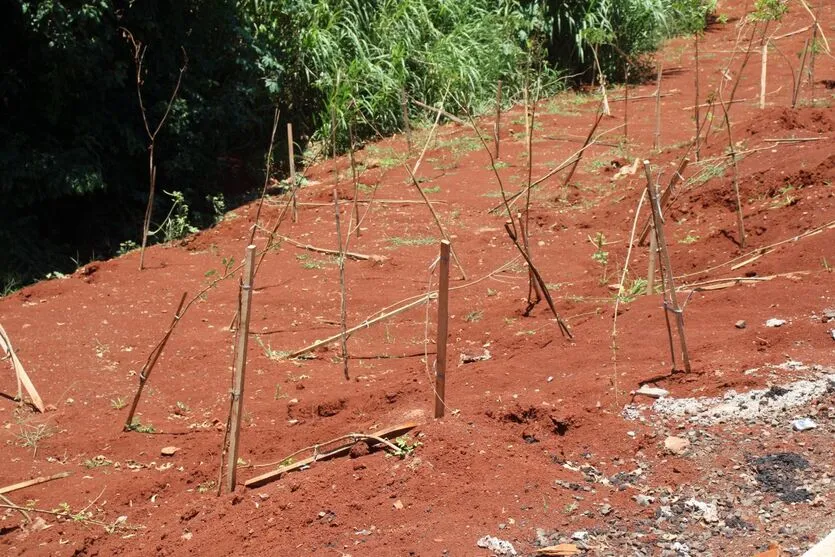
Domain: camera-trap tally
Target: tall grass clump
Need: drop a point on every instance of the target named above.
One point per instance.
(620, 30)
(358, 56)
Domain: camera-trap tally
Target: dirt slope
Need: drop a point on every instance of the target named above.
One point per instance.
(542, 441)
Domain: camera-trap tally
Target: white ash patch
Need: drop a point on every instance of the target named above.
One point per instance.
(750, 406)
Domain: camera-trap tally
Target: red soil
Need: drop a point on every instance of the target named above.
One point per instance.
(84, 338)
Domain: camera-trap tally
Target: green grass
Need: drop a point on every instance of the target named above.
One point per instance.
(411, 241)
(474, 316)
(308, 262)
(431, 189)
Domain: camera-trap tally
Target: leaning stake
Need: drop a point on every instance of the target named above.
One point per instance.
(443, 328)
(240, 367)
(669, 287)
(152, 361)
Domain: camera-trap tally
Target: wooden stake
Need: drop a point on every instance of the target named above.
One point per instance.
(497, 129)
(236, 410)
(670, 298)
(291, 159)
(443, 330)
(763, 72)
(657, 141)
(146, 370)
(343, 314)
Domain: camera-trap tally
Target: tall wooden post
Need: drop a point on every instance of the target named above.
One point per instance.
(240, 367)
(443, 330)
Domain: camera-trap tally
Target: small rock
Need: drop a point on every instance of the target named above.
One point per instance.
(832, 333)
(470, 358)
(804, 424)
(676, 445)
(497, 546)
(606, 509)
(51, 408)
(359, 449)
(38, 524)
(774, 322)
(398, 505)
(580, 535)
(828, 315)
(169, 451)
(643, 500)
(652, 392)
(741, 324)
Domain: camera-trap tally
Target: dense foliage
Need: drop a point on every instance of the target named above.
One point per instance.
(73, 161)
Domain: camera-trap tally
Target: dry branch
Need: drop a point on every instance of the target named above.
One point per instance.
(349, 254)
(379, 436)
(146, 370)
(543, 287)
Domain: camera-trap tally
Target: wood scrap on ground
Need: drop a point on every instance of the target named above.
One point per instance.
(20, 373)
(561, 550)
(343, 447)
(33, 481)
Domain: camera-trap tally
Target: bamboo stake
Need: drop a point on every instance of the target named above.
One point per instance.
(343, 315)
(34, 481)
(443, 331)
(580, 153)
(364, 325)
(799, 79)
(404, 107)
(696, 104)
(670, 298)
(740, 222)
(291, 159)
(236, 409)
(437, 220)
(653, 257)
(146, 370)
(763, 73)
(666, 197)
(657, 140)
(508, 226)
(22, 377)
(814, 45)
(626, 103)
(355, 179)
(267, 171)
(498, 125)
